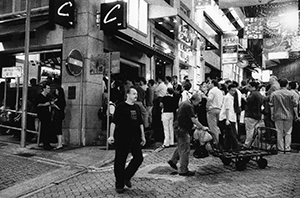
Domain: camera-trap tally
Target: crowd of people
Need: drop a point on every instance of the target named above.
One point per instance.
(230, 111)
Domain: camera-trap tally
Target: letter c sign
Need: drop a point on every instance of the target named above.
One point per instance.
(113, 16)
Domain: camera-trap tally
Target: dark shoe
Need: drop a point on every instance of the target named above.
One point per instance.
(48, 148)
(172, 165)
(120, 190)
(128, 183)
(188, 173)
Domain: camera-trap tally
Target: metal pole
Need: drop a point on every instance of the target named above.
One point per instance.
(25, 75)
(17, 93)
(108, 99)
(81, 110)
(5, 93)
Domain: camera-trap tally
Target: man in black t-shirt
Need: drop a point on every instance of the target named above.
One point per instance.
(127, 133)
(43, 103)
(186, 118)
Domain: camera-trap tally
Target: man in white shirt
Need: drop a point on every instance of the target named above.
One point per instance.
(161, 89)
(168, 82)
(213, 105)
(228, 120)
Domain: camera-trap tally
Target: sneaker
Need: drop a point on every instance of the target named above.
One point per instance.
(188, 173)
(120, 190)
(128, 183)
(172, 165)
(159, 149)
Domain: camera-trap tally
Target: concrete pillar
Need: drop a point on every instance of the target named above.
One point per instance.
(81, 125)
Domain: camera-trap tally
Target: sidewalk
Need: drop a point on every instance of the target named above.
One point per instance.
(27, 169)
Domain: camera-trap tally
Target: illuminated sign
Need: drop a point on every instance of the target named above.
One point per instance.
(62, 12)
(113, 16)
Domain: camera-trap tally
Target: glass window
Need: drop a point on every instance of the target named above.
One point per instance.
(137, 14)
(11, 6)
(143, 18)
(6, 6)
(133, 13)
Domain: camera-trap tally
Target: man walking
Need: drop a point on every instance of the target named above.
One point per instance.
(186, 118)
(283, 110)
(213, 105)
(252, 111)
(127, 133)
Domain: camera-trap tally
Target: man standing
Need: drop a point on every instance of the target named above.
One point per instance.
(149, 100)
(228, 119)
(186, 119)
(127, 133)
(43, 104)
(160, 91)
(283, 110)
(274, 85)
(252, 111)
(213, 105)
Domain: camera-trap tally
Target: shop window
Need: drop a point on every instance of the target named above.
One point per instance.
(137, 14)
(14, 6)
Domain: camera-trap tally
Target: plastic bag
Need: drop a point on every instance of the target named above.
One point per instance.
(202, 136)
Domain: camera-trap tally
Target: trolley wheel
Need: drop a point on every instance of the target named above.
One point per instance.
(262, 163)
(226, 161)
(247, 159)
(240, 165)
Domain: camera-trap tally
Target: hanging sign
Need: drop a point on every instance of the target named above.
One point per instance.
(113, 16)
(230, 50)
(62, 12)
(11, 72)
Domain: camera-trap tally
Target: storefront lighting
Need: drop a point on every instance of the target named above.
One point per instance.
(160, 23)
(171, 30)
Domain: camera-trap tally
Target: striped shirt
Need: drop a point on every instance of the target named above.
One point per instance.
(283, 102)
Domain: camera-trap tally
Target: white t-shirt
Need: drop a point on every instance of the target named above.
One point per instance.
(228, 105)
(214, 99)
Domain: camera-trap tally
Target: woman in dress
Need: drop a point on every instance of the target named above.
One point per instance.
(58, 114)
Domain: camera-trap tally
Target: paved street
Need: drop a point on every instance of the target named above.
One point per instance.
(155, 179)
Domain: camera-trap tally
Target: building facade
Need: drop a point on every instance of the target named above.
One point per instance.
(160, 38)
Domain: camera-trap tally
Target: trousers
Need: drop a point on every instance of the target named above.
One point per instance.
(123, 173)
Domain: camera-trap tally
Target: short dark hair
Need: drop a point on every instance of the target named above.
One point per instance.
(187, 86)
(244, 82)
(176, 77)
(170, 90)
(283, 82)
(231, 86)
(143, 79)
(293, 84)
(254, 84)
(128, 90)
(168, 78)
(235, 83)
(151, 82)
(215, 82)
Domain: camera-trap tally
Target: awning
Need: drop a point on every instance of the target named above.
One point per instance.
(8, 31)
(159, 9)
